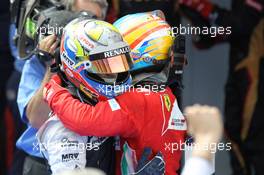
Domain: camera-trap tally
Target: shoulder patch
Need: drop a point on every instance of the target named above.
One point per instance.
(177, 120)
(114, 104)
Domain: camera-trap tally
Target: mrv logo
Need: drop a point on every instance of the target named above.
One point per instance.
(68, 157)
(67, 60)
(116, 52)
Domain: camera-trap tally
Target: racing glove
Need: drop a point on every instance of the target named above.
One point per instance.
(52, 87)
(203, 7)
(156, 166)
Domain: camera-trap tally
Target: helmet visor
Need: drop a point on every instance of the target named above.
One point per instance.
(116, 64)
(111, 61)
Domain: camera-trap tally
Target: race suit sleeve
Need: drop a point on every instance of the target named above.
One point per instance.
(197, 166)
(107, 118)
(64, 149)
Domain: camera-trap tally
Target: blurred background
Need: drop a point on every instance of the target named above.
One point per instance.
(204, 82)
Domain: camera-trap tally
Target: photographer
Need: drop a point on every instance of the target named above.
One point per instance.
(35, 74)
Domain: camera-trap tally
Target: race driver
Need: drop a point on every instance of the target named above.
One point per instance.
(64, 149)
(143, 117)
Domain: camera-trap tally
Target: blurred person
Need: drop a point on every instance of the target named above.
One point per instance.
(31, 106)
(16, 24)
(244, 89)
(97, 7)
(205, 125)
(140, 111)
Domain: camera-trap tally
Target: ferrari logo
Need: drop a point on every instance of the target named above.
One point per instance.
(167, 102)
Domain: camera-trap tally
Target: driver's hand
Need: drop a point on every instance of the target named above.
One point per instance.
(155, 166)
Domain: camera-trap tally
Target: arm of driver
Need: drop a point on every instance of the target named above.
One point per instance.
(100, 120)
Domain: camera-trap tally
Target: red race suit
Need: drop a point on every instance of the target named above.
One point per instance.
(141, 118)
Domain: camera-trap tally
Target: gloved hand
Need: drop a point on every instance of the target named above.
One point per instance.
(203, 7)
(156, 166)
(52, 87)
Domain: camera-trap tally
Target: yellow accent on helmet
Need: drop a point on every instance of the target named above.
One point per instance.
(95, 33)
(107, 25)
(149, 37)
(99, 28)
(80, 51)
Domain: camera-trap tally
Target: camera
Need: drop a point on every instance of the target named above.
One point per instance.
(36, 19)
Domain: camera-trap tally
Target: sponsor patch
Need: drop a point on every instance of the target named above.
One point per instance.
(177, 120)
(69, 157)
(66, 142)
(67, 60)
(114, 105)
(86, 42)
(116, 52)
(167, 102)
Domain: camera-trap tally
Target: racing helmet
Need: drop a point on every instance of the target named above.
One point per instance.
(95, 59)
(149, 37)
